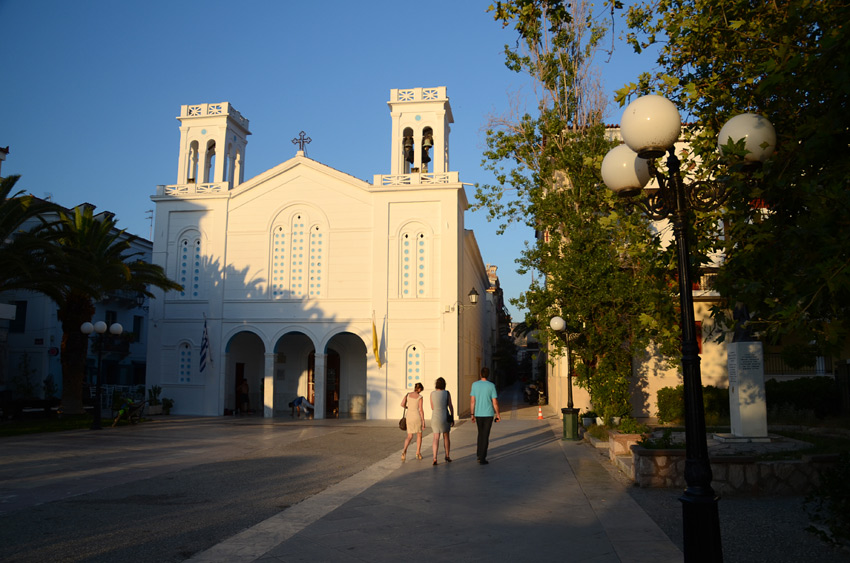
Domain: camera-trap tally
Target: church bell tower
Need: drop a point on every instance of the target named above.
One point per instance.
(213, 138)
(420, 141)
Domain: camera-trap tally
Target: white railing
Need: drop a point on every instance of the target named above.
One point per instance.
(416, 178)
(418, 94)
(193, 189)
(223, 108)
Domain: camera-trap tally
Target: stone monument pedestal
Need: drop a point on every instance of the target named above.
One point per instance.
(747, 406)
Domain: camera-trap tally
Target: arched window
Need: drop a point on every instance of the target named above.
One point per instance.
(414, 371)
(298, 245)
(279, 245)
(192, 172)
(408, 149)
(189, 266)
(427, 144)
(415, 263)
(209, 162)
(318, 253)
(184, 363)
(298, 258)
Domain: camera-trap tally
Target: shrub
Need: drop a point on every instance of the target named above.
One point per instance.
(784, 413)
(628, 425)
(818, 394)
(663, 442)
(153, 395)
(598, 432)
(671, 404)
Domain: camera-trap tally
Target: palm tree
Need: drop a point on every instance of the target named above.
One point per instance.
(21, 254)
(90, 258)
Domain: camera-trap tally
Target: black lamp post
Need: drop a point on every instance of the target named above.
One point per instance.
(570, 414)
(560, 325)
(99, 328)
(650, 128)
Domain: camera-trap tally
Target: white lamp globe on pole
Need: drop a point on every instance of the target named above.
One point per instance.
(651, 126)
(623, 171)
(758, 132)
(557, 324)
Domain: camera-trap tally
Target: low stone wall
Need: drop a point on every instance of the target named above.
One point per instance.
(733, 475)
(621, 444)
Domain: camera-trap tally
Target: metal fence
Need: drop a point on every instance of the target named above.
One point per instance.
(110, 392)
(774, 366)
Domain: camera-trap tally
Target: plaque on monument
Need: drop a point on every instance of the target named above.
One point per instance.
(747, 407)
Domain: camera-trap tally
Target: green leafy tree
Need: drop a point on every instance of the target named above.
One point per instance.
(601, 271)
(90, 258)
(787, 231)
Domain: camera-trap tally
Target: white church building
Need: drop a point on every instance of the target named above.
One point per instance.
(286, 274)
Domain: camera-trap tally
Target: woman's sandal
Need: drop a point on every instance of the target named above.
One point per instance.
(435, 462)
(403, 455)
(448, 459)
(418, 456)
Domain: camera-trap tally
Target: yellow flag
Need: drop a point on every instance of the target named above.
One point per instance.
(375, 341)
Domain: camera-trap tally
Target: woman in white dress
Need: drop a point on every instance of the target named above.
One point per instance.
(442, 417)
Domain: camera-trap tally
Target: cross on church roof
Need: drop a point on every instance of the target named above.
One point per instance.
(301, 140)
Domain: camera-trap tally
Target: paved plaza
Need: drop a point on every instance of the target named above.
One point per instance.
(250, 489)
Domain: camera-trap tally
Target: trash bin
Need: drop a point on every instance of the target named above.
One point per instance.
(570, 423)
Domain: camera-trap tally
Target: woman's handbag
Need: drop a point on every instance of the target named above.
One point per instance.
(402, 424)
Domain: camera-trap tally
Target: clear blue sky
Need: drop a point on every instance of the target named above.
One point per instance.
(91, 89)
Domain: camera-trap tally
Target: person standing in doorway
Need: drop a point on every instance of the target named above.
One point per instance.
(484, 406)
(242, 391)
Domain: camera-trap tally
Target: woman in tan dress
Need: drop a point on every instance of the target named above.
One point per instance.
(415, 419)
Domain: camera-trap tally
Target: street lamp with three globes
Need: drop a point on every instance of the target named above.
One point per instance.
(99, 328)
(650, 127)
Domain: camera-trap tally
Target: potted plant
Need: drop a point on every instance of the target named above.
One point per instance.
(154, 404)
(588, 418)
(167, 404)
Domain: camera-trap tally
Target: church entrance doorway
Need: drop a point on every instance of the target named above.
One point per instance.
(332, 382)
(245, 362)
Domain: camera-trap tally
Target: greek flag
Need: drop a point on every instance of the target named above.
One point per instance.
(205, 348)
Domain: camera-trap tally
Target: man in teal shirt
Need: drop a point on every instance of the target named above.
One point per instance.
(484, 406)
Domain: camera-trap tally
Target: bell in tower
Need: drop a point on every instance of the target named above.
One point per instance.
(427, 144)
(424, 115)
(409, 156)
